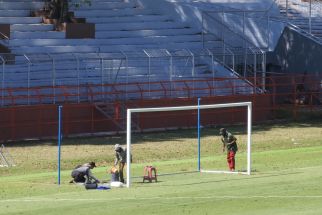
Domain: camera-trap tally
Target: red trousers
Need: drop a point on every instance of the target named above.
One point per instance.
(231, 160)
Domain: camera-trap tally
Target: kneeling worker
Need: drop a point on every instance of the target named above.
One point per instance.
(83, 174)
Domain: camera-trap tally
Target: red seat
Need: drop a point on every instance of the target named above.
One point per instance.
(150, 173)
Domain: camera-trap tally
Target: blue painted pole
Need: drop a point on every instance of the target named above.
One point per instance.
(198, 134)
(59, 138)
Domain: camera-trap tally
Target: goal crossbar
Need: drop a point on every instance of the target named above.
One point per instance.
(193, 107)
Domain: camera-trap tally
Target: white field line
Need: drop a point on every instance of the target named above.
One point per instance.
(155, 198)
(222, 172)
(202, 171)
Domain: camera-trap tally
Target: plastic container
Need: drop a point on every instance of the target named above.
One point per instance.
(115, 177)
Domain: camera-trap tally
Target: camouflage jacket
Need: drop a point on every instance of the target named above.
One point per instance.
(120, 156)
(229, 142)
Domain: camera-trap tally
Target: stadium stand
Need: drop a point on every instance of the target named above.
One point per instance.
(306, 15)
(121, 51)
(132, 44)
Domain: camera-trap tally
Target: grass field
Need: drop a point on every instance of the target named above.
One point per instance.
(286, 178)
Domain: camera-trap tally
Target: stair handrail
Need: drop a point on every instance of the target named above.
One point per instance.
(232, 31)
(5, 40)
(313, 6)
(297, 29)
(2, 79)
(317, 5)
(4, 35)
(245, 11)
(232, 71)
(254, 47)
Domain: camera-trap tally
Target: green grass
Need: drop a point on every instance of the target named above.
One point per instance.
(287, 165)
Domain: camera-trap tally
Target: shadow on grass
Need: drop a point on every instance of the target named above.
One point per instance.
(231, 179)
(167, 135)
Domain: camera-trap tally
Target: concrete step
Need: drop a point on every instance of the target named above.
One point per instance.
(111, 59)
(103, 5)
(317, 33)
(14, 13)
(113, 13)
(146, 33)
(27, 5)
(37, 34)
(128, 19)
(73, 78)
(23, 1)
(98, 1)
(95, 1)
(54, 49)
(313, 24)
(46, 79)
(169, 46)
(140, 26)
(62, 69)
(20, 20)
(314, 28)
(32, 27)
(101, 42)
(306, 18)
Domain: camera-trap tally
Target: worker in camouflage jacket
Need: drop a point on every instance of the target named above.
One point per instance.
(229, 144)
(120, 159)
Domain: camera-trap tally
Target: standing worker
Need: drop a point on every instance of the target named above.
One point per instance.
(229, 143)
(120, 159)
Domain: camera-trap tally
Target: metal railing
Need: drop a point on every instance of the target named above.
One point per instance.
(92, 93)
(52, 71)
(294, 93)
(306, 11)
(247, 58)
(4, 39)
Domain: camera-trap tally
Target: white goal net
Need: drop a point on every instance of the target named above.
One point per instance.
(198, 155)
(6, 159)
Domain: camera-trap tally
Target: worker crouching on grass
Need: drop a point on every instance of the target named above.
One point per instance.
(229, 143)
(120, 159)
(83, 174)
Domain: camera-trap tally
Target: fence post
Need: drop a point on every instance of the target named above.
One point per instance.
(54, 80)
(170, 74)
(102, 79)
(268, 32)
(13, 124)
(78, 81)
(294, 98)
(286, 9)
(198, 126)
(244, 22)
(59, 138)
(202, 30)
(310, 17)
(92, 118)
(264, 71)
(2, 80)
(193, 72)
(28, 84)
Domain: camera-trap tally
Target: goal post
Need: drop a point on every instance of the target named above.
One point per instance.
(183, 108)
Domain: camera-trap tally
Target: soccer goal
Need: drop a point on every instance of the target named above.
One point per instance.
(198, 107)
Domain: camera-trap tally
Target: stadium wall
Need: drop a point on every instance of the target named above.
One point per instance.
(40, 121)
